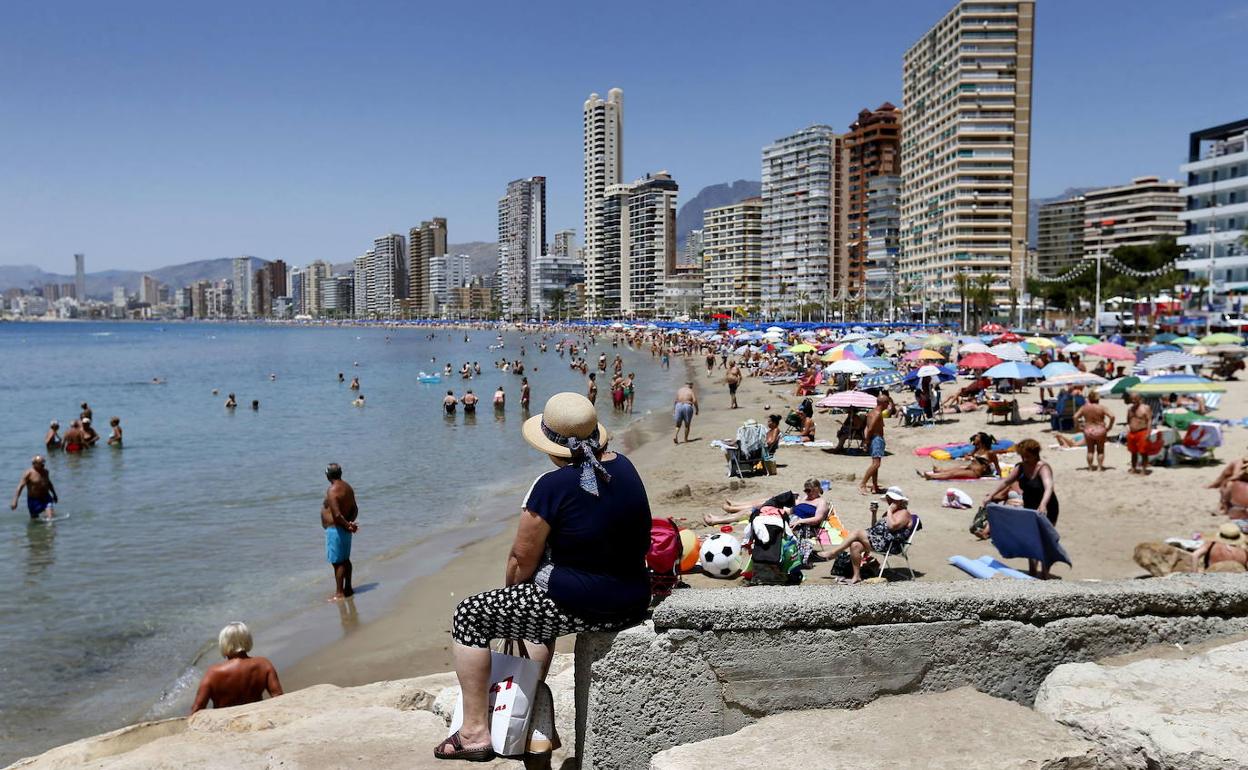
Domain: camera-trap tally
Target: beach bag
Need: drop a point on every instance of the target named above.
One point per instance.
(779, 560)
(794, 420)
(663, 558)
(513, 687)
(979, 522)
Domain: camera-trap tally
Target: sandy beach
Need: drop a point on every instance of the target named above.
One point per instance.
(1104, 515)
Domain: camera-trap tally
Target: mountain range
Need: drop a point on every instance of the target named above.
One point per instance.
(689, 217)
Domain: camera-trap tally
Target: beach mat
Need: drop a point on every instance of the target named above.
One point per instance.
(1021, 533)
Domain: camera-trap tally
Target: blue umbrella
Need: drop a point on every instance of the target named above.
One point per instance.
(946, 375)
(1149, 350)
(1056, 368)
(1013, 370)
(875, 362)
(879, 379)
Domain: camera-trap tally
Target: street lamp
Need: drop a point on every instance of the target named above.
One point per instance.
(1106, 227)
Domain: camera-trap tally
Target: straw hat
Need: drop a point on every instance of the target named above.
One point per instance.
(1230, 534)
(567, 414)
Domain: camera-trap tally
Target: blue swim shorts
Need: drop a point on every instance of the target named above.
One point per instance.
(683, 414)
(877, 446)
(37, 505)
(337, 545)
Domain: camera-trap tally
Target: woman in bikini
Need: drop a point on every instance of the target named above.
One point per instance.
(982, 462)
(1096, 422)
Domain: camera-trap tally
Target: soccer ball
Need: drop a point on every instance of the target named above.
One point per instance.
(721, 556)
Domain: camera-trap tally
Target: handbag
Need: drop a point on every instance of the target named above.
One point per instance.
(513, 687)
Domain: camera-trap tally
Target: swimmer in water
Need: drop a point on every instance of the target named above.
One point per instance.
(230, 401)
(359, 400)
(114, 437)
(341, 378)
(449, 403)
(500, 398)
(89, 436)
(355, 383)
(255, 405)
(470, 402)
(53, 438)
(40, 494)
(74, 439)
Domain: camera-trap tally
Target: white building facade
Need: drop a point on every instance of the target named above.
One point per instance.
(1216, 211)
(603, 168)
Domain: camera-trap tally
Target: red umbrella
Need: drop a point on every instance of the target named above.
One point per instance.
(721, 317)
(991, 329)
(1007, 337)
(979, 361)
(1109, 350)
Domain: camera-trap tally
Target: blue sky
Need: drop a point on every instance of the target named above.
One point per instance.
(150, 133)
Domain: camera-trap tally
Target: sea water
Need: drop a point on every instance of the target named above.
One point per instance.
(208, 515)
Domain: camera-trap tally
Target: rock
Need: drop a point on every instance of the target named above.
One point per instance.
(1157, 713)
(956, 729)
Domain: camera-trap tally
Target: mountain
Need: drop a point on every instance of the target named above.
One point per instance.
(1034, 204)
(100, 284)
(689, 217)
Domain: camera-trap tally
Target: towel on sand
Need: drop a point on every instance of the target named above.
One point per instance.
(1024, 533)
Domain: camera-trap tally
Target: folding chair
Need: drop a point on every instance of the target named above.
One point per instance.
(904, 553)
(1198, 444)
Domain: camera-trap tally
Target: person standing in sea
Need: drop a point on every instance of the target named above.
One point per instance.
(592, 392)
(338, 514)
(40, 493)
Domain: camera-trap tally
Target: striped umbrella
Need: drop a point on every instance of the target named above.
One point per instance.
(1072, 378)
(882, 379)
(1177, 383)
(1169, 360)
(846, 399)
(1009, 351)
(1109, 350)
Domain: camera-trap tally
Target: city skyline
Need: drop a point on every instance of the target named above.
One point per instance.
(249, 148)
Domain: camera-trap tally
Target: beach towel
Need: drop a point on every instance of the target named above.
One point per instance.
(1021, 533)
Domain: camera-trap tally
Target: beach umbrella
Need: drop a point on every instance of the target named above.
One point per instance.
(1184, 341)
(774, 330)
(936, 341)
(1014, 370)
(1029, 348)
(846, 399)
(979, 361)
(973, 347)
(802, 347)
(1165, 337)
(1074, 347)
(880, 379)
(1222, 338)
(1041, 342)
(927, 371)
(876, 362)
(1177, 383)
(720, 317)
(1007, 337)
(1170, 360)
(848, 366)
(742, 349)
(779, 344)
(1149, 350)
(943, 374)
(1072, 378)
(1009, 351)
(897, 337)
(841, 354)
(1236, 351)
(927, 354)
(1085, 339)
(1109, 350)
(1056, 368)
(1121, 385)
(991, 328)
(808, 334)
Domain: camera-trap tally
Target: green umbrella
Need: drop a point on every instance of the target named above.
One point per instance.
(1222, 338)
(1123, 384)
(1030, 347)
(1085, 339)
(1184, 341)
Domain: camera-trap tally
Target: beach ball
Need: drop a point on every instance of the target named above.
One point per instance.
(721, 556)
(689, 547)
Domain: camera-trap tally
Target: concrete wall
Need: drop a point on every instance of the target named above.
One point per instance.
(714, 661)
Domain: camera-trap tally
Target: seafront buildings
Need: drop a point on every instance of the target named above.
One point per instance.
(603, 168)
(1216, 212)
(966, 149)
(1136, 214)
(80, 277)
(732, 257)
(426, 248)
(871, 148)
(883, 242)
(637, 246)
(554, 274)
(242, 286)
(1059, 235)
(521, 244)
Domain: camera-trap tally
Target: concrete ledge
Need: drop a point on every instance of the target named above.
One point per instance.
(713, 662)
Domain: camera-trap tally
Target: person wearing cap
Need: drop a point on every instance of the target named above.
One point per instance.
(578, 562)
(886, 535)
(53, 438)
(1230, 545)
(89, 435)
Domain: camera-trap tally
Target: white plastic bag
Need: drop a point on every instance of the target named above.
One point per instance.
(513, 687)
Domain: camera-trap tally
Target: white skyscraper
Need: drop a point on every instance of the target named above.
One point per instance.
(637, 239)
(242, 287)
(521, 243)
(389, 274)
(604, 166)
(80, 277)
(363, 276)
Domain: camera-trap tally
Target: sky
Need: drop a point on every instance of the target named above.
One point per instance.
(151, 133)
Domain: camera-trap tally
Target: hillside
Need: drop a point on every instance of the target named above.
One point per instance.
(100, 284)
(689, 217)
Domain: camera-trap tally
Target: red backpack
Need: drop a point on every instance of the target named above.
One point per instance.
(663, 558)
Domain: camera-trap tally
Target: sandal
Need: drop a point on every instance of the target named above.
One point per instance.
(457, 750)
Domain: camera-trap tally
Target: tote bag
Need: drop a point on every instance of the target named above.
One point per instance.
(513, 687)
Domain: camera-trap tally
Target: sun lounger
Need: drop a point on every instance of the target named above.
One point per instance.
(1021, 533)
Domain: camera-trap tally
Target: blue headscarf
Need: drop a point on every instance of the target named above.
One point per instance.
(584, 456)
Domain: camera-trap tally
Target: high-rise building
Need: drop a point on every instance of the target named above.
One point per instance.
(313, 276)
(637, 245)
(80, 277)
(604, 167)
(521, 243)
(554, 273)
(362, 284)
(872, 148)
(966, 148)
(1216, 217)
(390, 275)
(119, 297)
(799, 215)
(732, 257)
(242, 287)
(297, 290)
(149, 290)
(883, 241)
(426, 247)
(1135, 214)
(336, 296)
(1059, 235)
(692, 253)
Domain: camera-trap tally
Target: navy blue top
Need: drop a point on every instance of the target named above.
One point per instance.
(598, 544)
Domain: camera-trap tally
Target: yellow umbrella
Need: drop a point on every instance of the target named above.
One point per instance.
(926, 354)
(802, 347)
(936, 341)
(1041, 342)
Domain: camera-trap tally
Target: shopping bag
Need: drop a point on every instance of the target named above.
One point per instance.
(513, 687)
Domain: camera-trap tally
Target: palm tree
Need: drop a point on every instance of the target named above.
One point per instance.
(557, 299)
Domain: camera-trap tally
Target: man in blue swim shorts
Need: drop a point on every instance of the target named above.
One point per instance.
(874, 433)
(40, 494)
(338, 515)
(685, 408)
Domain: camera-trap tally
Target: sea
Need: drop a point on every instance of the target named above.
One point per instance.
(109, 614)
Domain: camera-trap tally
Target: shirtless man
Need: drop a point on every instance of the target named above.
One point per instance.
(338, 515)
(1139, 420)
(683, 410)
(53, 438)
(470, 402)
(86, 413)
(733, 378)
(73, 440)
(592, 392)
(231, 402)
(449, 402)
(1096, 422)
(40, 494)
(524, 393)
(874, 434)
(240, 679)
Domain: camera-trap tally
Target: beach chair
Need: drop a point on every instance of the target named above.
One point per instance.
(749, 448)
(904, 553)
(1212, 400)
(1008, 410)
(1198, 443)
(913, 415)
